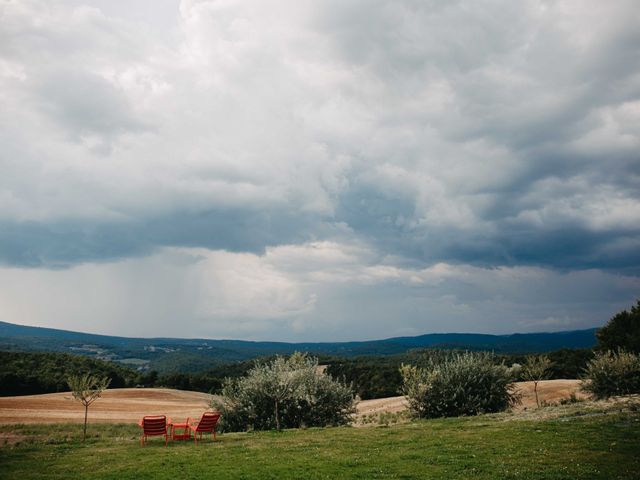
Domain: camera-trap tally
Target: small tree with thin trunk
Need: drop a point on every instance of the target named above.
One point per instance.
(535, 369)
(87, 389)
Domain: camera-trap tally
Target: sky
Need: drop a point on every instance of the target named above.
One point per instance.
(318, 170)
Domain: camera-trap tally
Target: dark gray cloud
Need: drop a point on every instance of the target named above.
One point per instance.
(62, 245)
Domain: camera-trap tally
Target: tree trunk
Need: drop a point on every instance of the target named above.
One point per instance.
(535, 390)
(277, 417)
(84, 432)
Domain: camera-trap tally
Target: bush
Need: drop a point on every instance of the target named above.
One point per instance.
(285, 393)
(463, 384)
(613, 373)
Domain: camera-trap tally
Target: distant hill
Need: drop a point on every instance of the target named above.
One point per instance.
(193, 355)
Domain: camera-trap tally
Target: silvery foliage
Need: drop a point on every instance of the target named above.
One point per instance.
(460, 384)
(612, 373)
(285, 393)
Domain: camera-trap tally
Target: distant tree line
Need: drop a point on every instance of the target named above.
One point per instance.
(30, 373)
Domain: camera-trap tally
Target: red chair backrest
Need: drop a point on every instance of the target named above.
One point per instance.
(154, 425)
(208, 422)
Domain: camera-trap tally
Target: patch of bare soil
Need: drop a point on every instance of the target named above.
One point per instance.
(550, 392)
(120, 405)
(381, 405)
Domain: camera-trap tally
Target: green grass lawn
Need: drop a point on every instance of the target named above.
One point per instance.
(603, 446)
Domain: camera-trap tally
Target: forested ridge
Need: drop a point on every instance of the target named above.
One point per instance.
(190, 356)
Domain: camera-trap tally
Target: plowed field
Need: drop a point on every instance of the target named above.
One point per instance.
(115, 406)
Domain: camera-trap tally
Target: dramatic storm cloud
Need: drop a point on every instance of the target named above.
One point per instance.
(318, 170)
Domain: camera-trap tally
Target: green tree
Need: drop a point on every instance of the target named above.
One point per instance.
(622, 331)
(613, 373)
(30, 373)
(535, 369)
(458, 384)
(87, 389)
(285, 392)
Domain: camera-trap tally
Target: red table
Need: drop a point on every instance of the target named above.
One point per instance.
(186, 432)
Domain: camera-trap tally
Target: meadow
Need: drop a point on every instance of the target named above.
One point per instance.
(569, 442)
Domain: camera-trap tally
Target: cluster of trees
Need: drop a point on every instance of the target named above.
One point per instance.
(379, 377)
(30, 373)
(370, 377)
(615, 369)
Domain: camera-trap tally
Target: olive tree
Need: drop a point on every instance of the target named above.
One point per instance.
(612, 373)
(285, 393)
(87, 389)
(462, 384)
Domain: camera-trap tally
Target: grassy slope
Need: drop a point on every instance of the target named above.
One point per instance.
(599, 446)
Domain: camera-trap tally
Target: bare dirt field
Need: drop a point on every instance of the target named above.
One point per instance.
(131, 404)
(549, 392)
(115, 406)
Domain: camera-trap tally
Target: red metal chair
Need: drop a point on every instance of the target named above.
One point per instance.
(207, 424)
(153, 425)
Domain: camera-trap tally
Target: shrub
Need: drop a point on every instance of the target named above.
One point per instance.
(463, 384)
(285, 393)
(613, 373)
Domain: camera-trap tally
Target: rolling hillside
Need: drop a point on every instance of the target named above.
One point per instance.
(192, 355)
